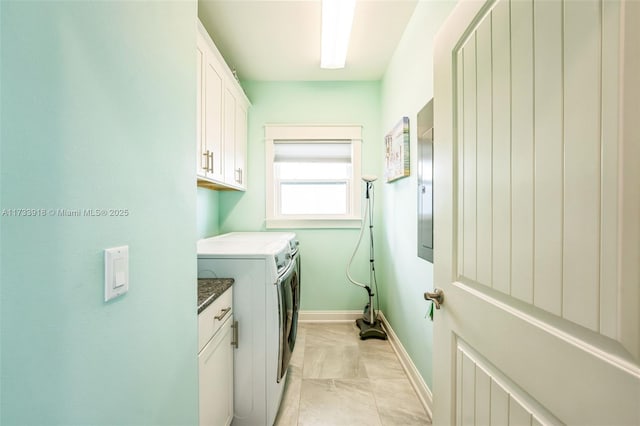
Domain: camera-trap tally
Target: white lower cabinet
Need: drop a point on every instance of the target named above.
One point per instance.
(215, 371)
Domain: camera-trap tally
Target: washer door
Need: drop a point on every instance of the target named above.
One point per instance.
(288, 304)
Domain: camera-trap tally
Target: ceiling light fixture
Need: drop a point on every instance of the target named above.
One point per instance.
(337, 18)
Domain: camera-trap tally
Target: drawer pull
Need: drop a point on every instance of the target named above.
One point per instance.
(222, 313)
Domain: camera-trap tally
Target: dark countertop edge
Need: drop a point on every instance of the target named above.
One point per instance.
(210, 289)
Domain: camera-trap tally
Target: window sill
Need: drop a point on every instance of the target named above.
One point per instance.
(313, 223)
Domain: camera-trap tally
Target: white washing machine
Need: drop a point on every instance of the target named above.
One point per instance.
(266, 294)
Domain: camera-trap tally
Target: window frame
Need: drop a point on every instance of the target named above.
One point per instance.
(296, 133)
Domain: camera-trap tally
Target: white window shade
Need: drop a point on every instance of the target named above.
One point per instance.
(312, 152)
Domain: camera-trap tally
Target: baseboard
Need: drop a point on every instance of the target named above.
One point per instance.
(424, 393)
(422, 390)
(328, 316)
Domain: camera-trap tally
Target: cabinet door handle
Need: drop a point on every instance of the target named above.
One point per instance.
(234, 339)
(239, 175)
(222, 313)
(206, 161)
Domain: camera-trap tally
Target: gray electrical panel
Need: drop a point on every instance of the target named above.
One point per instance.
(425, 182)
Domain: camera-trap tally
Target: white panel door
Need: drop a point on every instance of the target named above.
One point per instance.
(537, 207)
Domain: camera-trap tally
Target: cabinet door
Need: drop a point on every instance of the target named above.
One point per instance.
(213, 117)
(235, 138)
(215, 367)
(229, 135)
(241, 145)
(201, 158)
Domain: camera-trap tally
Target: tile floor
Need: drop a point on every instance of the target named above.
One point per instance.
(336, 379)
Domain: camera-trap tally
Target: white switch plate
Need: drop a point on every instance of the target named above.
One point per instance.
(116, 272)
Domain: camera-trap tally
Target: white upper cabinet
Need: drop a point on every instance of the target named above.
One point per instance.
(222, 120)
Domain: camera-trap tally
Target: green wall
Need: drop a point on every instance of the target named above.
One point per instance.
(407, 86)
(207, 205)
(98, 111)
(325, 252)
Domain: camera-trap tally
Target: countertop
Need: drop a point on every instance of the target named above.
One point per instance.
(209, 289)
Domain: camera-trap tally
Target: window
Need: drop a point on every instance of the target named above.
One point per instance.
(313, 175)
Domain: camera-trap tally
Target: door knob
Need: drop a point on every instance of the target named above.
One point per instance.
(437, 297)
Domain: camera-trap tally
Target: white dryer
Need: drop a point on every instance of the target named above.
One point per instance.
(266, 296)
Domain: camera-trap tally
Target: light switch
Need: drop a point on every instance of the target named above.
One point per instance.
(116, 272)
(120, 279)
(119, 269)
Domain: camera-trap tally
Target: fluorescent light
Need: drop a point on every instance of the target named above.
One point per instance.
(337, 18)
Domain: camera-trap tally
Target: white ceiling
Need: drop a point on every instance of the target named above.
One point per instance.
(280, 40)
